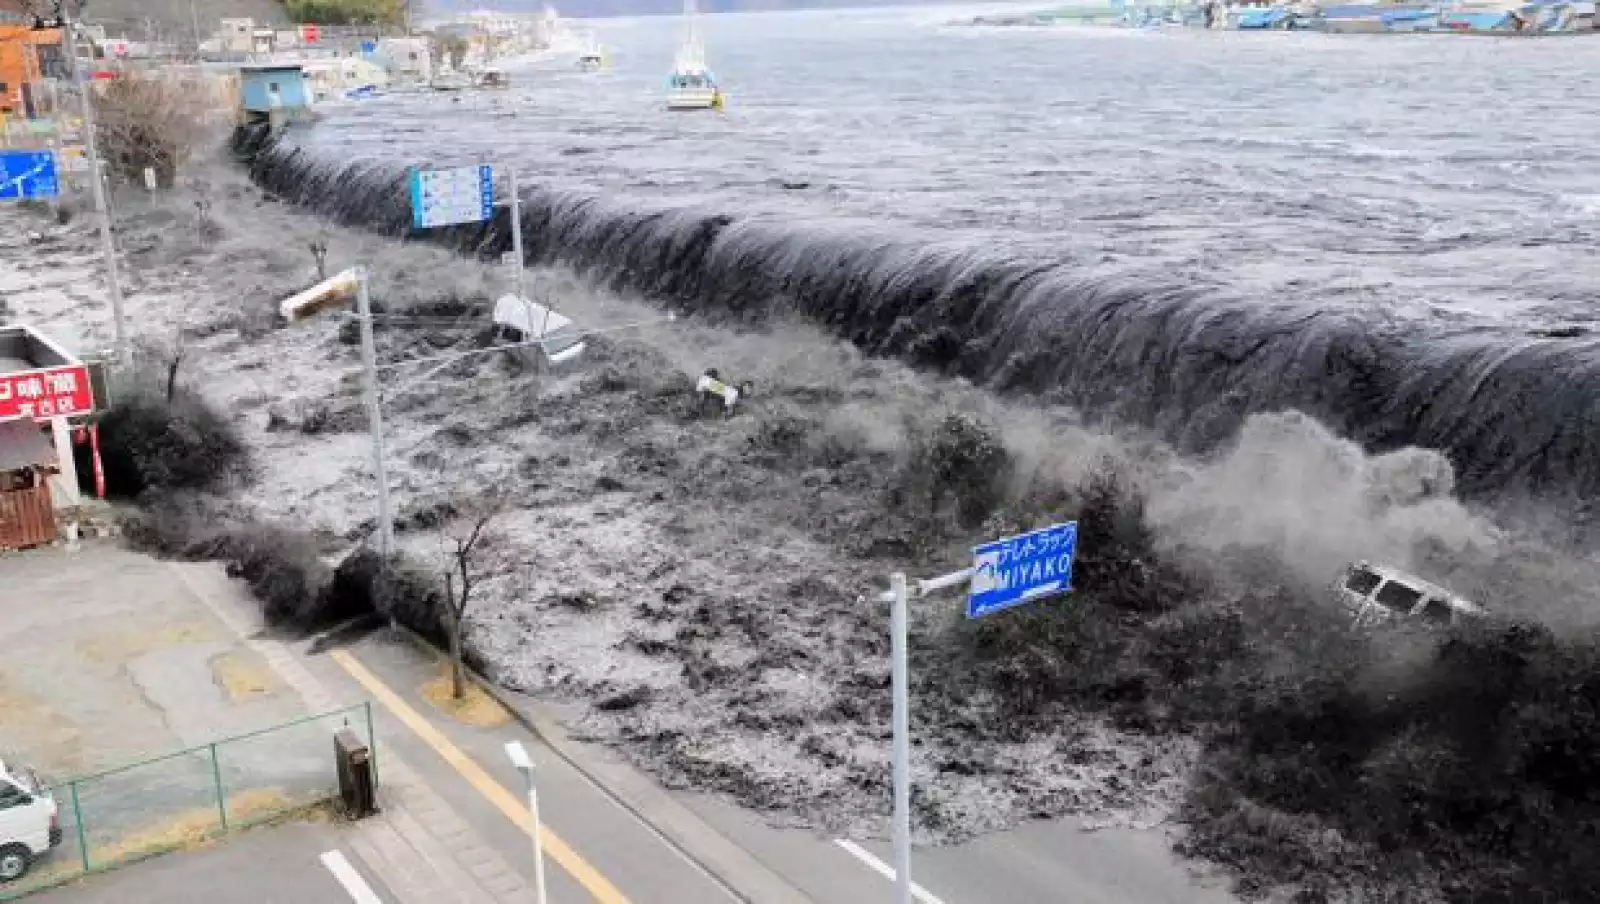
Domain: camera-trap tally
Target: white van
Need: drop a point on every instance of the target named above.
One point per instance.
(530, 321)
(1375, 594)
(30, 823)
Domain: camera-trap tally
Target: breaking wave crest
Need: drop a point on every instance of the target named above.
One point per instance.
(1512, 411)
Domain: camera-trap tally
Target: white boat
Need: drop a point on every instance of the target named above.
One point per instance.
(592, 57)
(450, 81)
(692, 86)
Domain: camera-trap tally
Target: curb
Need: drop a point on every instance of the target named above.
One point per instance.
(727, 864)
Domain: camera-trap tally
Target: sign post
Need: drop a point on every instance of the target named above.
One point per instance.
(1005, 573)
(516, 236)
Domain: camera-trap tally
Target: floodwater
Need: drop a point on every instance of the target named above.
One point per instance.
(1177, 227)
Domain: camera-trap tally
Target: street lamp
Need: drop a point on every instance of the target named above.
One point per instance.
(524, 763)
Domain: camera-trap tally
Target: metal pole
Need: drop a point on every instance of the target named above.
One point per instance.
(369, 363)
(538, 842)
(108, 245)
(372, 744)
(77, 817)
(516, 232)
(222, 799)
(194, 20)
(902, 744)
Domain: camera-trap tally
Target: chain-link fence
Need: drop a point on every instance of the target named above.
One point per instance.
(193, 796)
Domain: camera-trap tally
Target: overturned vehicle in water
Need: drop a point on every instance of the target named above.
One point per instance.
(1376, 594)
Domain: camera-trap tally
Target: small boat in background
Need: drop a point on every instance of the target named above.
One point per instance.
(592, 57)
(450, 81)
(692, 86)
(493, 80)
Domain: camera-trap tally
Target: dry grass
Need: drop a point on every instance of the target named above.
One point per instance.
(475, 708)
(244, 676)
(129, 643)
(54, 742)
(186, 831)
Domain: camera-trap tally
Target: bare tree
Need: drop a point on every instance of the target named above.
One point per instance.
(319, 250)
(175, 362)
(147, 123)
(460, 577)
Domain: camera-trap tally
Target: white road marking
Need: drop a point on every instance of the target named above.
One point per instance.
(885, 870)
(358, 888)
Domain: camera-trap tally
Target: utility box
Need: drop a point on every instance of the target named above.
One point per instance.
(357, 790)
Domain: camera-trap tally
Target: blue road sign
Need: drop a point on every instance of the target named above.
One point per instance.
(1017, 570)
(450, 196)
(28, 174)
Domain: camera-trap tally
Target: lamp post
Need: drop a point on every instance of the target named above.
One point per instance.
(102, 203)
(524, 763)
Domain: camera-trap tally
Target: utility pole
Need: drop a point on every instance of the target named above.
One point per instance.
(369, 363)
(108, 244)
(194, 21)
(516, 232)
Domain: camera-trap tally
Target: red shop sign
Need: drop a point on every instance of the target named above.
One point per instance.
(47, 393)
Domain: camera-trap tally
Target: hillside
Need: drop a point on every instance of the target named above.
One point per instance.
(598, 8)
(166, 15)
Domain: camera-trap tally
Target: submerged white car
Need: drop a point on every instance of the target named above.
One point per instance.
(30, 823)
(1375, 594)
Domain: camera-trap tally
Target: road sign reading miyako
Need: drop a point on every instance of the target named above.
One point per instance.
(1017, 570)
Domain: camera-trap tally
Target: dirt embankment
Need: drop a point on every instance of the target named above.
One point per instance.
(704, 582)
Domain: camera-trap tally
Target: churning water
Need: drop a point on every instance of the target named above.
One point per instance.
(1394, 234)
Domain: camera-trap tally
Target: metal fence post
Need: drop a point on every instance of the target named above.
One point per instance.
(77, 817)
(372, 744)
(216, 777)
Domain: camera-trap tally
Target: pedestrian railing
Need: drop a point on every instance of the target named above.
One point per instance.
(192, 797)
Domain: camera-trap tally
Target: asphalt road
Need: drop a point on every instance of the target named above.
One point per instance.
(1057, 861)
(277, 865)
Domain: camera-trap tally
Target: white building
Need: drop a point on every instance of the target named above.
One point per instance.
(329, 79)
(405, 59)
(236, 35)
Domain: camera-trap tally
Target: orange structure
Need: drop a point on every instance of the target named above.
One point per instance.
(27, 56)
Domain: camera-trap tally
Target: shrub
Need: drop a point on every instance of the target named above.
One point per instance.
(958, 459)
(282, 566)
(1465, 761)
(147, 441)
(147, 124)
(1136, 636)
(408, 592)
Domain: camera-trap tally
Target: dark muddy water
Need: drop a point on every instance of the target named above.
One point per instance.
(1393, 234)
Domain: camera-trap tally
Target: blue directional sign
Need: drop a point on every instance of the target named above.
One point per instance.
(450, 196)
(1017, 570)
(28, 174)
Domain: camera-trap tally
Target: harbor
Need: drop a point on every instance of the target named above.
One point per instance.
(1501, 18)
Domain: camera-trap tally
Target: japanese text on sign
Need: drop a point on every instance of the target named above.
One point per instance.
(1017, 570)
(449, 196)
(39, 394)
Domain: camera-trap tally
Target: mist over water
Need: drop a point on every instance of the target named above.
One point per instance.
(1178, 228)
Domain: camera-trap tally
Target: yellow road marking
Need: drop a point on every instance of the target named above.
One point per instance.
(575, 866)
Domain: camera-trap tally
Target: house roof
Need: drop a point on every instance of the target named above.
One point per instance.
(23, 445)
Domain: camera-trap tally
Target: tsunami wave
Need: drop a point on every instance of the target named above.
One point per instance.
(1513, 412)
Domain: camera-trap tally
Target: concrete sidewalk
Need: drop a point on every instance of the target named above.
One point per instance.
(419, 845)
